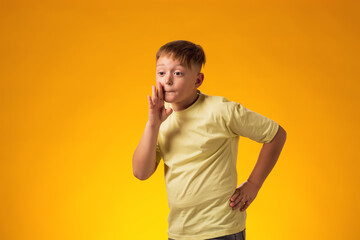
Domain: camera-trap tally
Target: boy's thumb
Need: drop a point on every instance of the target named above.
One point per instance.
(168, 111)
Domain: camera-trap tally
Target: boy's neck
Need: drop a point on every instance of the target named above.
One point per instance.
(187, 103)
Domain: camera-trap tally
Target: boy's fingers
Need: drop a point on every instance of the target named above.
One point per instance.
(150, 101)
(168, 111)
(160, 89)
(235, 195)
(154, 95)
(240, 204)
(237, 200)
(245, 206)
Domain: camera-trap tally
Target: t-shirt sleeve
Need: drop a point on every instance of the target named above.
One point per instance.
(247, 123)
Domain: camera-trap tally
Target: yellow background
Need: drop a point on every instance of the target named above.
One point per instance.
(74, 78)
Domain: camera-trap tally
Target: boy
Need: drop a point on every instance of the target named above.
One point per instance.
(197, 137)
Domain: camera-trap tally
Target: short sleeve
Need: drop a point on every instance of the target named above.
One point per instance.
(247, 123)
(158, 154)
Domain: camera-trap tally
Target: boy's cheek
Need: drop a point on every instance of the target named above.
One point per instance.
(161, 83)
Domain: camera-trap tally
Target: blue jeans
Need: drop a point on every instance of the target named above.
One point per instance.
(235, 236)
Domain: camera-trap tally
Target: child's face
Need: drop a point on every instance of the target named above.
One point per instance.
(179, 82)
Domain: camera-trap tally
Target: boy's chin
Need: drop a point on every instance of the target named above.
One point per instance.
(169, 99)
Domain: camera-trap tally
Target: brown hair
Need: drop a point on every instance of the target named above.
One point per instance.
(187, 53)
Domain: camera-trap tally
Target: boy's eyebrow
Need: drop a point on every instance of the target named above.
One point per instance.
(175, 65)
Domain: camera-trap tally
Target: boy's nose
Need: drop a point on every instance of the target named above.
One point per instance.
(168, 80)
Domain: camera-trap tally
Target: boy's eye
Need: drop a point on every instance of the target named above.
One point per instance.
(176, 73)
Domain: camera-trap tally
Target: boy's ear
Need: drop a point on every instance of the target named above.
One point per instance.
(199, 79)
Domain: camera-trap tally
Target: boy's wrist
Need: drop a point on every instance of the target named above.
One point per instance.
(153, 125)
(254, 182)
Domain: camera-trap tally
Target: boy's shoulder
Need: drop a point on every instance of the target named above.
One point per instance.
(212, 104)
(219, 101)
(213, 100)
(218, 106)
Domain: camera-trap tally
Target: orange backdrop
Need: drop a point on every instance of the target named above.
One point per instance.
(74, 77)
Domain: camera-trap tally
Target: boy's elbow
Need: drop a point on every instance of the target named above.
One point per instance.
(138, 173)
(142, 171)
(140, 176)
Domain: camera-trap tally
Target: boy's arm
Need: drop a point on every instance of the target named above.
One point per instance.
(144, 158)
(268, 156)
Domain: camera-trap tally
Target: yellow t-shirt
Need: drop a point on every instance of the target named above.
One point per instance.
(199, 147)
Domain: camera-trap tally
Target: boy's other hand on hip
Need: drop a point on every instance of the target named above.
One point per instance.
(244, 195)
